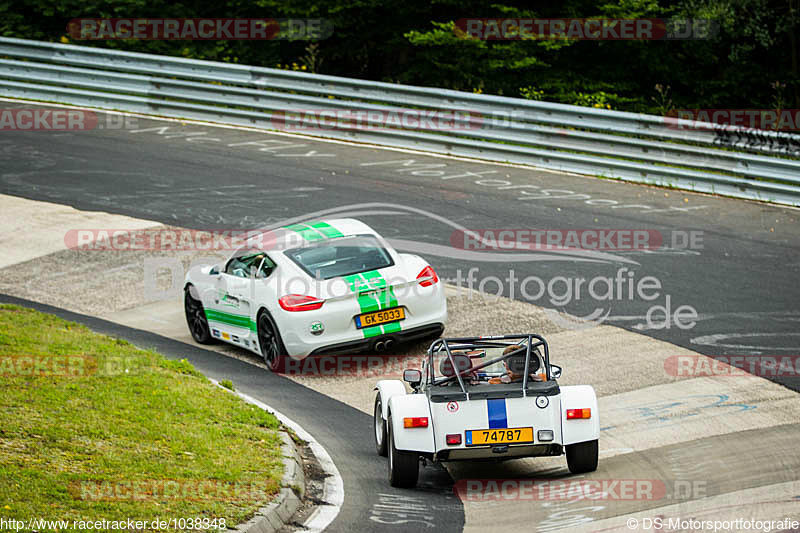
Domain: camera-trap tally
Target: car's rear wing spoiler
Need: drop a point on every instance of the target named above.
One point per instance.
(530, 340)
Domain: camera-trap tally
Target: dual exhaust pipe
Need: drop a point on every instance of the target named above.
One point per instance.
(381, 346)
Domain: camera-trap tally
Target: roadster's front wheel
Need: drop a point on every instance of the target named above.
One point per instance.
(196, 316)
(269, 340)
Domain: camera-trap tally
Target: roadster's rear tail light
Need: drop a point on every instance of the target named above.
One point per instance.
(579, 413)
(300, 302)
(427, 277)
(415, 422)
(453, 439)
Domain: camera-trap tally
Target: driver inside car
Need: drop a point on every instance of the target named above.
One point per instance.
(515, 366)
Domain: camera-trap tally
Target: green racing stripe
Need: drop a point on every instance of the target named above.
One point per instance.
(316, 231)
(305, 232)
(327, 230)
(373, 295)
(239, 321)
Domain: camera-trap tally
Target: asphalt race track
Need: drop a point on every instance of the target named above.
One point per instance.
(740, 278)
(739, 275)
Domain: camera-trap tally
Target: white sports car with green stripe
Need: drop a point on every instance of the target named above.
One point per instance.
(331, 287)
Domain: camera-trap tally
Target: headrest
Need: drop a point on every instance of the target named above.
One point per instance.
(463, 364)
(516, 361)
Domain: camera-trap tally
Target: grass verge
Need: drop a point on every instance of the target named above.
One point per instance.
(93, 428)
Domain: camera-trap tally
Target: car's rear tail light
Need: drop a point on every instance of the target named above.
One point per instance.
(427, 277)
(454, 439)
(300, 302)
(415, 422)
(579, 413)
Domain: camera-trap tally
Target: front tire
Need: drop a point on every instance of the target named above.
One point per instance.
(403, 466)
(196, 317)
(269, 341)
(379, 427)
(582, 457)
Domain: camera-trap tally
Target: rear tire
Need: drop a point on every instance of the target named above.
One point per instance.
(403, 466)
(582, 457)
(379, 427)
(196, 317)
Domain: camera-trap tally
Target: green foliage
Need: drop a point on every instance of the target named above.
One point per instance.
(531, 93)
(418, 42)
(662, 99)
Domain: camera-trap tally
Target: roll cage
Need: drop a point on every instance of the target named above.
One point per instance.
(529, 341)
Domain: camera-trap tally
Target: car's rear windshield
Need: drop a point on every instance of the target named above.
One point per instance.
(341, 257)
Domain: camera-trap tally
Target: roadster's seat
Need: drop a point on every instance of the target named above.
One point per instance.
(463, 364)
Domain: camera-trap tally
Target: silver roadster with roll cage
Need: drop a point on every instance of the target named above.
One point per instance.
(484, 398)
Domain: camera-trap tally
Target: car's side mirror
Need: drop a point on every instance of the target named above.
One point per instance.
(412, 376)
(555, 371)
(214, 271)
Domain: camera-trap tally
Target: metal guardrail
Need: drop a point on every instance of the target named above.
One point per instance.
(753, 164)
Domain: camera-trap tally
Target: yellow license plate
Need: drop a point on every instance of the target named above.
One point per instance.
(478, 437)
(380, 317)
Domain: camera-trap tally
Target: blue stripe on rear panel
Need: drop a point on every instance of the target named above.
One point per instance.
(497, 413)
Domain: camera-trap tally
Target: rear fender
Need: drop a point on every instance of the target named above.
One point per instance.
(579, 430)
(388, 388)
(419, 439)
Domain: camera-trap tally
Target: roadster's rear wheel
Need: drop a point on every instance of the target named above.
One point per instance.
(196, 317)
(582, 457)
(380, 427)
(269, 340)
(403, 466)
